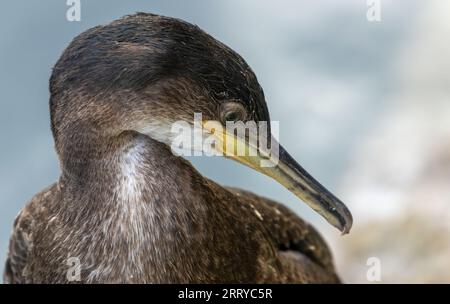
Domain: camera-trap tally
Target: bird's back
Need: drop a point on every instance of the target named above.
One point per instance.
(21, 242)
(303, 255)
(264, 242)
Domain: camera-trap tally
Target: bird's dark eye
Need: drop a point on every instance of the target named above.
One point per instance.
(232, 111)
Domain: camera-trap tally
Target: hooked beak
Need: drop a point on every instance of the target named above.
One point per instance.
(279, 165)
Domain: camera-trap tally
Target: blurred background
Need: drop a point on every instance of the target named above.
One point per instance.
(363, 106)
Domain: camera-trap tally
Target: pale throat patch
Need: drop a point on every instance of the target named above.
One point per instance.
(157, 130)
(131, 178)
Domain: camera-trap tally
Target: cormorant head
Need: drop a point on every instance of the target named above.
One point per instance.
(144, 73)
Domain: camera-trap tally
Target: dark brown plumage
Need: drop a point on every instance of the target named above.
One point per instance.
(127, 208)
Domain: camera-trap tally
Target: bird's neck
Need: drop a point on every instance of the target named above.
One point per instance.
(129, 171)
(139, 200)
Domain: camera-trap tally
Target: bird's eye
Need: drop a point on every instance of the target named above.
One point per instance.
(232, 111)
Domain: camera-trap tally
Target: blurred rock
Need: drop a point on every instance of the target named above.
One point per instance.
(398, 186)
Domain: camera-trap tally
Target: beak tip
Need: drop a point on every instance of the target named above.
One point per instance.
(345, 230)
(346, 224)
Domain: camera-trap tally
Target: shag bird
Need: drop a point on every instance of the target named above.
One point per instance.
(126, 209)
